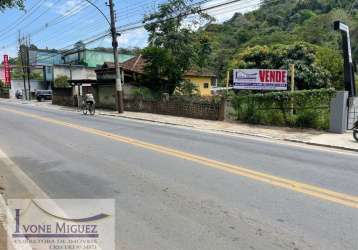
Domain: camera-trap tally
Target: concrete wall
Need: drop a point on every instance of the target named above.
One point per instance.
(200, 82)
(105, 97)
(63, 96)
(338, 113)
(213, 111)
(19, 85)
(78, 72)
(44, 57)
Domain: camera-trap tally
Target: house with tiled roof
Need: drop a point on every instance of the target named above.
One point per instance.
(134, 67)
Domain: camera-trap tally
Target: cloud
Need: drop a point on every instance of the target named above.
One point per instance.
(225, 12)
(48, 4)
(70, 7)
(128, 39)
(221, 13)
(134, 38)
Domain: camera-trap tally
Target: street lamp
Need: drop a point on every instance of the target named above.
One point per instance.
(349, 80)
(112, 25)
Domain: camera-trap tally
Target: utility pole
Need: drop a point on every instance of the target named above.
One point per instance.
(22, 66)
(227, 81)
(118, 86)
(28, 65)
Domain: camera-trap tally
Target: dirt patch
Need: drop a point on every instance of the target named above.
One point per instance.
(3, 242)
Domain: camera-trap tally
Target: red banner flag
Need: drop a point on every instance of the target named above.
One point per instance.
(7, 70)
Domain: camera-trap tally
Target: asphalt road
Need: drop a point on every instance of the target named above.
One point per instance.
(168, 200)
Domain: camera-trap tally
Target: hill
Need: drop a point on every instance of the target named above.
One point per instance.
(301, 29)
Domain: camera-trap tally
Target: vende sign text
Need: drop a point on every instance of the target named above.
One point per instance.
(260, 79)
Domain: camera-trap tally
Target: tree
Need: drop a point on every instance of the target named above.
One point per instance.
(316, 67)
(36, 75)
(173, 40)
(61, 81)
(158, 68)
(203, 51)
(16, 72)
(33, 47)
(188, 88)
(282, 22)
(4, 4)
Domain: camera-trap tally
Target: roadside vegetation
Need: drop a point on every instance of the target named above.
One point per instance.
(286, 31)
(302, 109)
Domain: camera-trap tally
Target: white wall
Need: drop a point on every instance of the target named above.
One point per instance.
(19, 85)
(78, 72)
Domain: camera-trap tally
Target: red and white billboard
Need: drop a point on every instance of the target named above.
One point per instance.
(7, 72)
(260, 79)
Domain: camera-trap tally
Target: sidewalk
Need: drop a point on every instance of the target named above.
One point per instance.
(306, 136)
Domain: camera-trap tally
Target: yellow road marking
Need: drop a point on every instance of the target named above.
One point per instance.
(321, 193)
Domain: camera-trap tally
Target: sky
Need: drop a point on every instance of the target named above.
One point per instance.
(60, 23)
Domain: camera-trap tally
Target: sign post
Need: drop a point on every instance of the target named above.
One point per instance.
(260, 79)
(292, 71)
(349, 79)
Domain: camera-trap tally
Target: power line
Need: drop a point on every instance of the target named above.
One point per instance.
(138, 25)
(22, 18)
(91, 39)
(36, 18)
(59, 18)
(59, 34)
(142, 24)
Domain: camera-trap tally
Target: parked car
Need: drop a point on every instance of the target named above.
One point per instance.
(42, 95)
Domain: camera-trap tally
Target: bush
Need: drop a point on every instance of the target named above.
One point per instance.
(307, 119)
(142, 93)
(196, 99)
(304, 109)
(188, 88)
(61, 81)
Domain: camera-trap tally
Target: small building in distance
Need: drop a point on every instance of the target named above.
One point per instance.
(134, 67)
(203, 79)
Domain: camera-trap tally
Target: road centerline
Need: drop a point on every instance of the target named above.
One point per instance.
(296, 186)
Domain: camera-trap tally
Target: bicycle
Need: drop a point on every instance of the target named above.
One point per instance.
(88, 108)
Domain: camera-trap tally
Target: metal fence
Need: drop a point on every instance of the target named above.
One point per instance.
(352, 112)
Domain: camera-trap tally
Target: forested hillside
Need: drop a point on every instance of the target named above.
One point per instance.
(283, 32)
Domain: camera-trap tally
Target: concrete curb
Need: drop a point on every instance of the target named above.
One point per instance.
(239, 133)
(218, 130)
(147, 120)
(322, 145)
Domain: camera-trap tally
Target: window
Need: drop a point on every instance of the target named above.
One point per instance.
(206, 85)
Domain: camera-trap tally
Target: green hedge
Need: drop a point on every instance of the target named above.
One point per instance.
(303, 109)
(146, 94)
